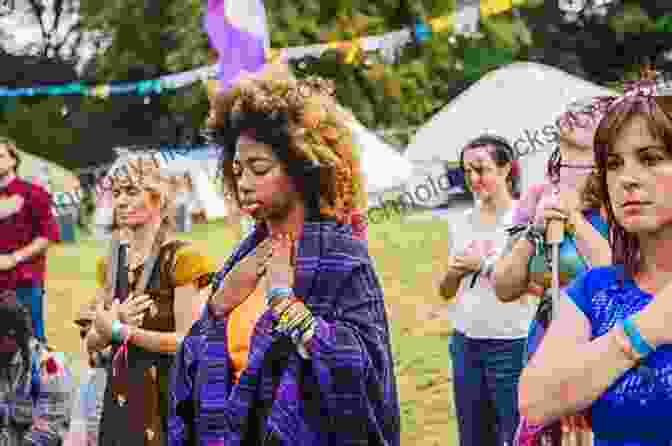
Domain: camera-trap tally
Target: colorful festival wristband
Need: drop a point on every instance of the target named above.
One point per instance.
(116, 331)
(626, 346)
(302, 335)
(639, 344)
(284, 315)
(276, 292)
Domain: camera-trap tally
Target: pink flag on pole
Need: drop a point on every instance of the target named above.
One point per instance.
(238, 31)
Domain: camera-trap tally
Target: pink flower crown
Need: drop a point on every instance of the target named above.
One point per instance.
(583, 117)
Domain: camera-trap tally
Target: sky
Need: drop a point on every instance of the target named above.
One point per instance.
(23, 30)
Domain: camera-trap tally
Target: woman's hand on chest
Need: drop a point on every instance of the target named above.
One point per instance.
(243, 278)
(279, 269)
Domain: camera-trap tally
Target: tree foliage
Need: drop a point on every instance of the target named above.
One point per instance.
(154, 37)
(168, 36)
(50, 139)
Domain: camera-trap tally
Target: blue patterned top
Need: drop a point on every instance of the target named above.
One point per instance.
(636, 410)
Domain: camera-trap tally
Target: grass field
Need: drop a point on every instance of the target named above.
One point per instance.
(408, 255)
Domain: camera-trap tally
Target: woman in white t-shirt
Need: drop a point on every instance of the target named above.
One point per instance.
(489, 336)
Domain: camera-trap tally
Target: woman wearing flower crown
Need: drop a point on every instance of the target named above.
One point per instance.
(609, 349)
(489, 339)
(571, 196)
(149, 296)
(295, 346)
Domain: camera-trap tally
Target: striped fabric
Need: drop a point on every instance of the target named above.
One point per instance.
(344, 395)
(35, 400)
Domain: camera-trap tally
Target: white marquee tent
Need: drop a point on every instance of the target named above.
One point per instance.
(208, 196)
(519, 102)
(385, 169)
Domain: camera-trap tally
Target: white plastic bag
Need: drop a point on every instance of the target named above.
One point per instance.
(87, 408)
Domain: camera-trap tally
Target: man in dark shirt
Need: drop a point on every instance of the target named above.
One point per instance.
(27, 226)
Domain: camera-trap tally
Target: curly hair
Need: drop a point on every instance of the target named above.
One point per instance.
(305, 128)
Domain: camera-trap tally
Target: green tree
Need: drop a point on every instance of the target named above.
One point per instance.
(400, 95)
(37, 123)
(142, 40)
(50, 139)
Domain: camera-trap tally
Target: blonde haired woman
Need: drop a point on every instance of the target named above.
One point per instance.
(151, 296)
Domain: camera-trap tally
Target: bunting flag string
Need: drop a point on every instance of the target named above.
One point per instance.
(664, 24)
(387, 44)
(103, 91)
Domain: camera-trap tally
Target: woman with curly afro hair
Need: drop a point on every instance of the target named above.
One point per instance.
(295, 338)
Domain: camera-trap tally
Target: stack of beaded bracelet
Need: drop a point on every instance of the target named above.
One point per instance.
(294, 321)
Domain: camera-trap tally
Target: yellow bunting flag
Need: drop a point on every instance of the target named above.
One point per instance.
(494, 7)
(273, 55)
(336, 45)
(101, 91)
(211, 86)
(352, 52)
(443, 23)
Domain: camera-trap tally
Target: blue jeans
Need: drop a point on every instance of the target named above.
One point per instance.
(485, 383)
(33, 298)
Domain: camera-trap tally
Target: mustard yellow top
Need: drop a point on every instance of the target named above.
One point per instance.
(190, 267)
